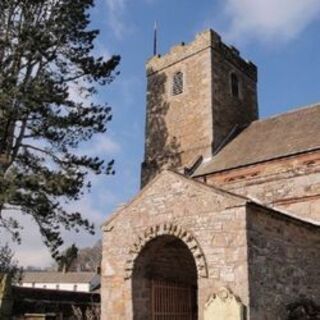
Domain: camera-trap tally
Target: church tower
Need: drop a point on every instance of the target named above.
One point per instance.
(199, 96)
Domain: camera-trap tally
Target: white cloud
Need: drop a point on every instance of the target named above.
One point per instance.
(117, 19)
(116, 10)
(102, 51)
(36, 255)
(32, 250)
(115, 5)
(104, 145)
(269, 20)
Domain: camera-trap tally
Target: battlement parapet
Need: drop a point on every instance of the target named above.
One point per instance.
(203, 40)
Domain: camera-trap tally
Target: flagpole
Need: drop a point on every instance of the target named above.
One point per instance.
(155, 40)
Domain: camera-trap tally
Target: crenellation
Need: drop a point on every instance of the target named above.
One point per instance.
(202, 41)
(233, 56)
(178, 53)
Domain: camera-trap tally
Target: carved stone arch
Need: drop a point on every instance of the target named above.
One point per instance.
(167, 229)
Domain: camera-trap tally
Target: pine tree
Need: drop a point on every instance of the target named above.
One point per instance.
(66, 260)
(8, 264)
(46, 49)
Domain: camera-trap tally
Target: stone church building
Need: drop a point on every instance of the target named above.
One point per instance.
(227, 222)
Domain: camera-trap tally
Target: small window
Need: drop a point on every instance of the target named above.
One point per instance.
(177, 84)
(235, 86)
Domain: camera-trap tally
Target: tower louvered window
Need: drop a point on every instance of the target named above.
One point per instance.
(177, 84)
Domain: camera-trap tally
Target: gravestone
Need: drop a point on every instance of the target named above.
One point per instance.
(223, 306)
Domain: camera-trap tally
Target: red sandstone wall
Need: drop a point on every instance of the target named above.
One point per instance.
(292, 183)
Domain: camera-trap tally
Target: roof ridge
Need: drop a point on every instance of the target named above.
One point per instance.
(259, 142)
(290, 111)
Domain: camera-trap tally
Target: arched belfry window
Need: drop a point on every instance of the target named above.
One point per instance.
(235, 86)
(177, 83)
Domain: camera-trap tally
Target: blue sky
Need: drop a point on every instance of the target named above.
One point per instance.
(282, 37)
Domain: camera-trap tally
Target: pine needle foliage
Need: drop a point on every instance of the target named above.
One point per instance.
(46, 51)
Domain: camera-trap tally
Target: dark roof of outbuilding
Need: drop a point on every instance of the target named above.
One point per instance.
(58, 277)
(279, 136)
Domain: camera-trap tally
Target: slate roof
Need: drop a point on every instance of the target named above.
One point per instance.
(58, 277)
(287, 134)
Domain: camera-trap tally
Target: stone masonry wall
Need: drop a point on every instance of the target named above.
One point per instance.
(291, 183)
(178, 128)
(229, 112)
(181, 128)
(284, 263)
(214, 220)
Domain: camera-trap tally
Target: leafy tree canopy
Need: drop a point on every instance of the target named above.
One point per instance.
(88, 259)
(46, 49)
(8, 264)
(67, 258)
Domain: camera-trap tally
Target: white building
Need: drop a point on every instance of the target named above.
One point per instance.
(68, 281)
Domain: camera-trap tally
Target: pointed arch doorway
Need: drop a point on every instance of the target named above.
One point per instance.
(164, 281)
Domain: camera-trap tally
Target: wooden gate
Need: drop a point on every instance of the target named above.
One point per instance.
(171, 301)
